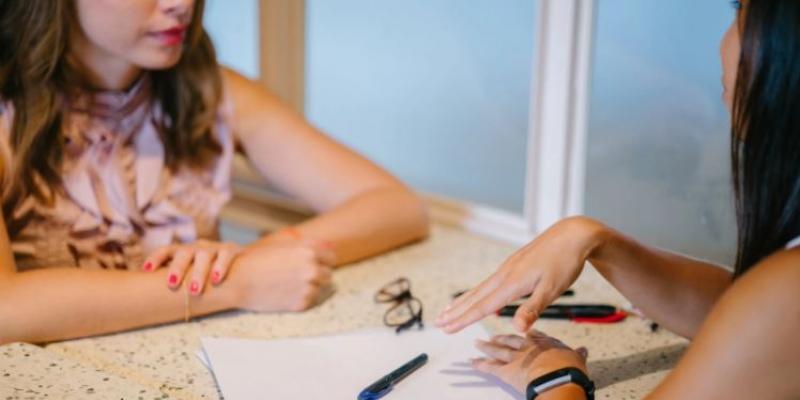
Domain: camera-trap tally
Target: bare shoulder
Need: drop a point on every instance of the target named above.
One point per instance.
(773, 281)
(747, 347)
(243, 89)
(233, 80)
(765, 301)
(256, 111)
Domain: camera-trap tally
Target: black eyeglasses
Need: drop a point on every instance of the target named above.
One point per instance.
(406, 310)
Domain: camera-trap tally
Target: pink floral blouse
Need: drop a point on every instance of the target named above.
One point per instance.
(119, 201)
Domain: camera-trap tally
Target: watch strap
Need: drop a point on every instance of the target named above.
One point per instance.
(557, 378)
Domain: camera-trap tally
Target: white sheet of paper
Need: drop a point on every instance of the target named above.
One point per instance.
(201, 356)
(339, 367)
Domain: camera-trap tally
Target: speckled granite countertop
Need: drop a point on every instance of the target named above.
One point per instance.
(626, 359)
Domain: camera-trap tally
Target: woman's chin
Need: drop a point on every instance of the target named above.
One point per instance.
(160, 60)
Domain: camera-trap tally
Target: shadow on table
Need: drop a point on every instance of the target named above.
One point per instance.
(473, 378)
(620, 369)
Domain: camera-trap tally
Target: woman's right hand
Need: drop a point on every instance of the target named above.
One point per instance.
(544, 268)
(281, 276)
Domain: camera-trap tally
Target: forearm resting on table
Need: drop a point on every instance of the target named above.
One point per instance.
(370, 223)
(62, 303)
(674, 290)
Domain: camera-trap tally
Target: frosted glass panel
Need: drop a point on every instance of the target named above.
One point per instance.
(437, 91)
(657, 164)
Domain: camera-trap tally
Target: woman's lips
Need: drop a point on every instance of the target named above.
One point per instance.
(170, 37)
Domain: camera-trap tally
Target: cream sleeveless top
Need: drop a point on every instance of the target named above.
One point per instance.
(119, 201)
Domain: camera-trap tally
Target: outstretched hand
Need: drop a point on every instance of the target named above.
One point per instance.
(544, 268)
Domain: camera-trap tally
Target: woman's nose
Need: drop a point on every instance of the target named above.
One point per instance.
(177, 8)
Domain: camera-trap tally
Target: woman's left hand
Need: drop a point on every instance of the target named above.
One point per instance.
(197, 262)
(518, 360)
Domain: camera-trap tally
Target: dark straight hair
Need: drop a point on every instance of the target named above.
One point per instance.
(765, 143)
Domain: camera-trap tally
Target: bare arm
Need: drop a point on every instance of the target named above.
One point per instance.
(747, 348)
(60, 303)
(674, 290)
(65, 303)
(363, 209)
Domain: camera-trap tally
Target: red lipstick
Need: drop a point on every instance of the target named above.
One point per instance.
(170, 37)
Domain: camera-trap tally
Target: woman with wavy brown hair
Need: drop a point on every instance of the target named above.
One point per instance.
(117, 134)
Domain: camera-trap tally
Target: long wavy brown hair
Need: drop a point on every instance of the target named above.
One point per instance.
(36, 73)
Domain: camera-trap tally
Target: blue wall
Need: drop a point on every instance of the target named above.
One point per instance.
(437, 91)
(658, 132)
(233, 26)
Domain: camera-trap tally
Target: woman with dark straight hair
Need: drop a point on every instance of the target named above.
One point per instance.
(118, 130)
(744, 324)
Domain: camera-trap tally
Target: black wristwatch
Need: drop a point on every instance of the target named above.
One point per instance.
(558, 378)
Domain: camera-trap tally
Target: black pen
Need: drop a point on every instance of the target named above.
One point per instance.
(567, 293)
(385, 384)
(596, 313)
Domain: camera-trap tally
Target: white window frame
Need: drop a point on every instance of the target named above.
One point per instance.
(556, 161)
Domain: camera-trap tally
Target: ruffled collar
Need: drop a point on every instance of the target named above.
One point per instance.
(111, 105)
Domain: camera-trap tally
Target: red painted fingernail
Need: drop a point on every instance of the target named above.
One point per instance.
(292, 233)
(148, 266)
(216, 277)
(194, 287)
(173, 279)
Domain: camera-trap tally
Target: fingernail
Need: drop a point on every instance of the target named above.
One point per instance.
(292, 233)
(148, 266)
(328, 245)
(194, 288)
(172, 279)
(215, 277)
